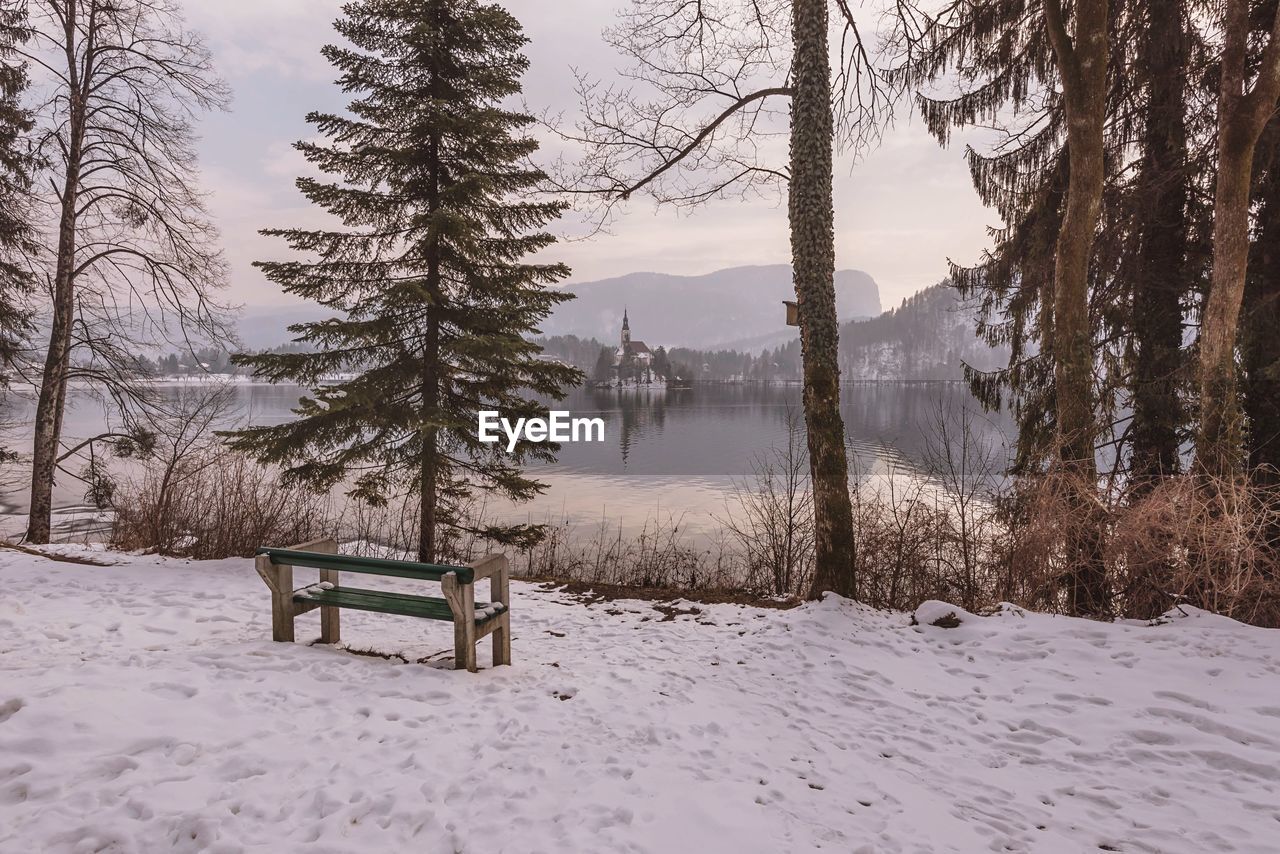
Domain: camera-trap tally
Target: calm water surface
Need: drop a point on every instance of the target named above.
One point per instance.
(674, 454)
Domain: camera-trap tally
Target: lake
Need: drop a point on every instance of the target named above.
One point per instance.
(669, 453)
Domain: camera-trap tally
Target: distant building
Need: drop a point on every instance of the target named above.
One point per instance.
(636, 352)
(633, 359)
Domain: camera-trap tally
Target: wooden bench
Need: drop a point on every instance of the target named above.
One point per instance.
(471, 620)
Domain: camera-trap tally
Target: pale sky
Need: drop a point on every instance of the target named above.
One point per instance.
(901, 212)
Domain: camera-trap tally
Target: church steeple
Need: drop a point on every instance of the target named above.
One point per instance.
(626, 330)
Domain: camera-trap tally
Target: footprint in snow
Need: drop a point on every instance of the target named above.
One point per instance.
(9, 708)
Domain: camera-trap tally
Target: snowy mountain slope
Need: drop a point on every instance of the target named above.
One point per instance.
(143, 708)
(930, 336)
(711, 310)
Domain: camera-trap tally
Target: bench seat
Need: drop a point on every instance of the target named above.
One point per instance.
(370, 565)
(384, 602)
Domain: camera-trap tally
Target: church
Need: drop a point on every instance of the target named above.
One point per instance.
(634, 359)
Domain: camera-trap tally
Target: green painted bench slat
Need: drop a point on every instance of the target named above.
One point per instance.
(383, 602)
(408, 597)
(370, 565)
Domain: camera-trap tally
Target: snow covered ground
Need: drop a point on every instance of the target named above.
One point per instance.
(143, 708)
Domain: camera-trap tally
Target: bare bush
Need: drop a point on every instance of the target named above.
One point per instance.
(660, 555)
(391, 529)
(770, 519)
(1043, 526)
(213, 503)
(1215, 548)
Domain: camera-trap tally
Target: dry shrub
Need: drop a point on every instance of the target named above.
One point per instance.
(916, 542)
(936, 535)
(391, 530)
(1182, 540)
(1043, 527)
(769, 520)
(1215, 545)
(213, 504)
(660, 555)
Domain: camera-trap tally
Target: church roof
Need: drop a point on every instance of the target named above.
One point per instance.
(639, 347)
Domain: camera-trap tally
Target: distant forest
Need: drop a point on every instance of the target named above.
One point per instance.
(204, 360)
(928, 337)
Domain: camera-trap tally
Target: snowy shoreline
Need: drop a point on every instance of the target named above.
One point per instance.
(143, 707)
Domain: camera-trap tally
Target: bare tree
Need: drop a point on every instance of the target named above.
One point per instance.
(132, 255)
(174, 446)
(969, 472)
(704, 117)
(1243, 113)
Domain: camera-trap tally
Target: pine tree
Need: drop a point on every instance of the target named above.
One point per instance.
(16, 239)
(1156, 262)
(603, 371)
(661, 363)
(429, 178)
(1145, 270)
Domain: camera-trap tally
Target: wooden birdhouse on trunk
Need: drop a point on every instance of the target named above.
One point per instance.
(793, 312)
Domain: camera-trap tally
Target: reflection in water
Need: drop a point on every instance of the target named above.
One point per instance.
(673, 452)
(723, 429)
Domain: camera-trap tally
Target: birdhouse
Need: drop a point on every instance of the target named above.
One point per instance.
(793, 312)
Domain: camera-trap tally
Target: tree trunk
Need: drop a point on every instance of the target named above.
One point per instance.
(1083, 68)
(48, 416)
(429, 475)
(53, 384)
(430, 449)
(1261, 344)
(1242, 116)
(1218, 447)
(813, 262)
(1160, 277)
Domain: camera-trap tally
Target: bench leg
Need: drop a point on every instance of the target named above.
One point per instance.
(464, 650)
(329, 630)
(282, 612)
(462, 601)
(466, 657)
(464, 641)
(500, 591)
(502, 641)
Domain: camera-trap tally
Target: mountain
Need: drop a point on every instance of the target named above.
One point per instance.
(263, 327)
(928, 337)
(739, 307)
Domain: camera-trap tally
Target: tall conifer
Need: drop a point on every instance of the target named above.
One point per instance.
(16, 237)
(428, 181)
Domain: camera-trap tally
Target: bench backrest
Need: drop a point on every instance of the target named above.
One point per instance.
(369, 565)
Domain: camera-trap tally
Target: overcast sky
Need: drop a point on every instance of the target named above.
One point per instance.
(900, 213)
